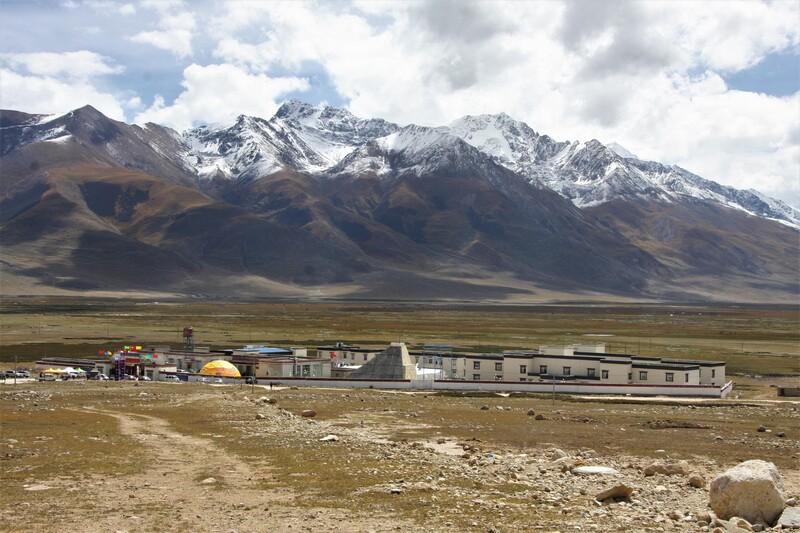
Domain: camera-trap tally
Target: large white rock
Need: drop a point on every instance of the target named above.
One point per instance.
(752, 490)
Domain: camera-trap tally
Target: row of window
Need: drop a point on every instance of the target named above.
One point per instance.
(498, 367)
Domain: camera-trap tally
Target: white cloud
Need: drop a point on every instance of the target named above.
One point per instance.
(39, 94)
(646, 74)
(175, 29)
(79, 65)
(218, 93)
(49, 82)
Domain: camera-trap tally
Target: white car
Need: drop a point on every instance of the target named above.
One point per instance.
(217, 380)
(172, 378)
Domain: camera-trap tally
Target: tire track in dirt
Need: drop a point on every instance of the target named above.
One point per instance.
(172, 483)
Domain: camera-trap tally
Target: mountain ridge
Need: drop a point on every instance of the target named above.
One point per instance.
(317, 201)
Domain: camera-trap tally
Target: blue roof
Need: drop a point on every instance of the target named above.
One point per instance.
(265, 350)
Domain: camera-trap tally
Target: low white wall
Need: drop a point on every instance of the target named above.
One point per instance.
(510, 386)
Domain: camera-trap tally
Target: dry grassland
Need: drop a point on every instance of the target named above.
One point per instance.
(138, 457)
(753, 340)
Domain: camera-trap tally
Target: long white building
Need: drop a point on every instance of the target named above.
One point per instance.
(586, 363)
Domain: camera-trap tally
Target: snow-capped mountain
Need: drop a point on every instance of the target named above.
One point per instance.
(332, 142)
(482, 207)
(299, 136)
(591, 173)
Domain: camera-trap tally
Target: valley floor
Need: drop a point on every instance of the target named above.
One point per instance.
(182, 457)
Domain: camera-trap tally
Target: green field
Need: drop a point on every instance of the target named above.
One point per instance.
(753, 340)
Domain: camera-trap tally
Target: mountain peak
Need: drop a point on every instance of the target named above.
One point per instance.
(296, 110)
(621, 151)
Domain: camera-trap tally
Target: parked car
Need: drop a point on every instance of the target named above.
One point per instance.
(100, 377)
(131, 377)
(217, 380)
(203, 380)
(172, 378)
(47, 377)
(250, 380)
(145, 378)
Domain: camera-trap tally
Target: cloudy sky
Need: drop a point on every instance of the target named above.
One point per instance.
(711, 86)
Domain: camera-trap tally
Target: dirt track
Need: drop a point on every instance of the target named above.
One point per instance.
(398, 463)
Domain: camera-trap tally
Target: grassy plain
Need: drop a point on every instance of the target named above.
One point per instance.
(754, 340)
(93, 456)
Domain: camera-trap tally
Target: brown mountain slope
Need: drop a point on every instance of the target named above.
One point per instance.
(113, 228)
(712, 250)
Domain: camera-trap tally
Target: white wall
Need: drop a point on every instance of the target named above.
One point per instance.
(568, 387)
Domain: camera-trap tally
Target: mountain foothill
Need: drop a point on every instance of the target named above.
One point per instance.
(315, 202)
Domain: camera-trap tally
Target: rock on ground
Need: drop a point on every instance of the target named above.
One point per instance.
(667, 469)
(752, 490)
(617, 491)
(790, 519)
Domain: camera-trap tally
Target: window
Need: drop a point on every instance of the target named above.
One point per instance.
(523, 369)
(476, 377)
(543, 369)
(498, 367)
(642, 375)
(630, 376)
(498, 377)
(686, 378)
(604, 374)
(567, 370)
(476, 365)
(365, 357)
(590, 372)
(669, 376)
(430, 360)
(713, 373)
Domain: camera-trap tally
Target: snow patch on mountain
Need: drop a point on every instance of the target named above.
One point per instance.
(621, 151)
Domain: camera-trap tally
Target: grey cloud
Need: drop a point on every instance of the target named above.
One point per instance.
(462, 35)
(634, 47)
(460, 21)
(603, 102)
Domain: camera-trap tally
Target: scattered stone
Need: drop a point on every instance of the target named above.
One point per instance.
(309, 413)
(697, 481)
(667, 469)
(675, 515)
(329, 438)
(592, 470)
(260, 416)
(790, 519)
(761, 429)
(718, 439)
(781, 434)
(531, 412)
(540, 416)
(271, 401)
(661, 423)
(752, 490)
(557, 454)
(37, 487)
(208, 481)
(484, 407)
(622, 492)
